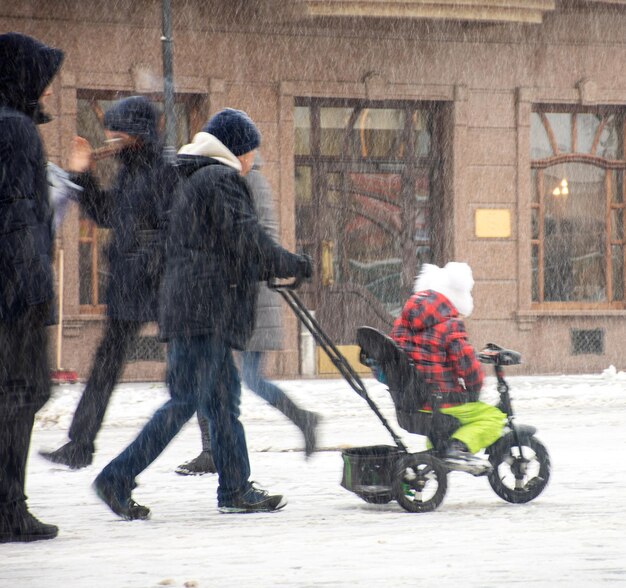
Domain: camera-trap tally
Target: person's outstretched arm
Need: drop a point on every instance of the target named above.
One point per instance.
(247, 234)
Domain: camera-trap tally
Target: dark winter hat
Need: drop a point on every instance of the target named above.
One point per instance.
(27, 66)
(135, 116)
(235, 129)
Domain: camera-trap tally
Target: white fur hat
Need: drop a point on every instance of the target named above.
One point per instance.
(454, 281)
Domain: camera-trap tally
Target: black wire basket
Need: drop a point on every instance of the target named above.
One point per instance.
(368, 471)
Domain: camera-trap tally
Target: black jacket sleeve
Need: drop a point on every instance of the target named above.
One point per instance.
(25, 218)
(249, 236)
(94, 201)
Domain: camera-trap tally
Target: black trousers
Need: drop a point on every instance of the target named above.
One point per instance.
(24, 389)
(105, 371)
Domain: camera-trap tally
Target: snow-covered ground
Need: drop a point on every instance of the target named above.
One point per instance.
(574, 534)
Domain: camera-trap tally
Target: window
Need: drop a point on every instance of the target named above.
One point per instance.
(364, 181)
(587, 341)
(577, 207)
(146, 348)
(93, 240)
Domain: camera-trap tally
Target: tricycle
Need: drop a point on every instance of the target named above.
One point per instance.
(517, 465)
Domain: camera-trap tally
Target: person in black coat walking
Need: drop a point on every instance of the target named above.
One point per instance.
(217, 252)
(267, 336)
(135, 209)
(27, 68)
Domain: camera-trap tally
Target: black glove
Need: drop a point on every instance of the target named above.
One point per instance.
(304, 269)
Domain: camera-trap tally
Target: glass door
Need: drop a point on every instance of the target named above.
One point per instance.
(363, 208)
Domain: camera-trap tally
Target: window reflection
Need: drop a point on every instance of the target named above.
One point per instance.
(370, 192)
(611, 141)
(539, 141)
(577, 216)
(561, 125)
(333, 121)
(586, 129)
(574, 226)
(302, 123)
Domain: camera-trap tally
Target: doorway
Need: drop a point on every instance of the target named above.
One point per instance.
(366, 177)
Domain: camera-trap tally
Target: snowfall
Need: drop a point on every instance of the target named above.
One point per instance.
(574, 534)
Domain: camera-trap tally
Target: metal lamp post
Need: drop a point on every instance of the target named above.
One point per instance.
(168, 77)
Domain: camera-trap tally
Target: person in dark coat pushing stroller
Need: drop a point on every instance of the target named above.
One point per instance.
(265, 337)
(431, 331)
(135, 209)
(217, 253)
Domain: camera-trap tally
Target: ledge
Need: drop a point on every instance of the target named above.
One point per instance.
(535, 314)
(527, 318)
(520, 11)
(74, 324)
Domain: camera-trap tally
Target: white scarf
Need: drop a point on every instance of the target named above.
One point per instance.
(207, 145)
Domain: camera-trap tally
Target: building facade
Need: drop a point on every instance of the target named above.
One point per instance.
(394, 133)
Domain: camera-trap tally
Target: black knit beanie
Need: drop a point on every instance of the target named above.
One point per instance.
(135, 116)
(235, 129)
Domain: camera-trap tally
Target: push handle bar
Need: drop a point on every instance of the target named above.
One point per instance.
(290, 284)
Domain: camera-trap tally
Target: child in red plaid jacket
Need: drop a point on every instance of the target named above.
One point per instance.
(431, 331)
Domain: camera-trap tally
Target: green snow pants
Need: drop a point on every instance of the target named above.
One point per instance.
(481, 424)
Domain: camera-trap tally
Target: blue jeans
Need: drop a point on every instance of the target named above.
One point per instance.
(253, 378)
(202, 377)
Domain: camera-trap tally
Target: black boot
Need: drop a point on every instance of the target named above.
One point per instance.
(305, 420)
(18, 525)
(74, 455)
(203, 464)
(119, 501)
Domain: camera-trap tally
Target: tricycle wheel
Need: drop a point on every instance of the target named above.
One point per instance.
(520, 477)
(376, 499)
(419, 483)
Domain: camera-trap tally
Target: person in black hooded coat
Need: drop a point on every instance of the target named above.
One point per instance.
(135, 209)
(26, 286)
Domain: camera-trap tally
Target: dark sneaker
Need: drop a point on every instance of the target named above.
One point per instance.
(253, 500)
(203, 464)
(73, 455)
(122, 505)
(21, 526)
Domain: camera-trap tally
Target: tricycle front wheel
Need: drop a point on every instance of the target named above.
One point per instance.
(519, 476)
(419, 483)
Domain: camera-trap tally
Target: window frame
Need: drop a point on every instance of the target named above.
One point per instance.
(319, 163)
(538, 166)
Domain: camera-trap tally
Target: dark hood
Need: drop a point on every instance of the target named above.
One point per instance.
(27, 67)
(135, 116)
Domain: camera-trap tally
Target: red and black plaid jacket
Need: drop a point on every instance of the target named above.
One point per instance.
(431, 332)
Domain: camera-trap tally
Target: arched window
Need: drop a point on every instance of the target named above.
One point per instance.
(577, 205)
